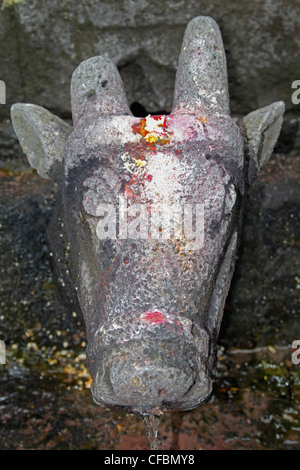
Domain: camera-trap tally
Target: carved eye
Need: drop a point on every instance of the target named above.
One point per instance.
(91, 200)
(102, 188)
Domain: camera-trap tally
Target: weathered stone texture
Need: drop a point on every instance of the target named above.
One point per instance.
(43, 42)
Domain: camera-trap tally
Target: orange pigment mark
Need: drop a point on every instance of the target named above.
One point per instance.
(203, 121)
(158, 134)
(161, 136)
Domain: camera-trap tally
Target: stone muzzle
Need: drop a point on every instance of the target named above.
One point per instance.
(149, 361)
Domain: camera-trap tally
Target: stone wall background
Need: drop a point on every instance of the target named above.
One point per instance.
(42, 42)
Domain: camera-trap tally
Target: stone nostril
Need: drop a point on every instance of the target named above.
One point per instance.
(145, 383)
(150, 360)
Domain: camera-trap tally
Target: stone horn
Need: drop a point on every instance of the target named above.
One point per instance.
(201, 80)
(97, 89)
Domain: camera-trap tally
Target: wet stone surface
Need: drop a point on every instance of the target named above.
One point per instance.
(45, 398)
(254, 405)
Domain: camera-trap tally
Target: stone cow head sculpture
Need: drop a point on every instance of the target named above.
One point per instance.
(152, 211)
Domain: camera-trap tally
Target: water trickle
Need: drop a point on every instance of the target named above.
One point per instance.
(151, 423)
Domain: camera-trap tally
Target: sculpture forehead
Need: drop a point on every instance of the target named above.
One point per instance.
(167, 182)
(165, 177)
(109, 136)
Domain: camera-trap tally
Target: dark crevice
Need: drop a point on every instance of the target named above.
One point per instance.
(138, 110)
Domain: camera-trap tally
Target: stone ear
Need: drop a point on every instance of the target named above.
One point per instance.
(42, 137)
(261, 129)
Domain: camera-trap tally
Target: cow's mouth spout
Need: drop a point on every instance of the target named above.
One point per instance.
(150, 363)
